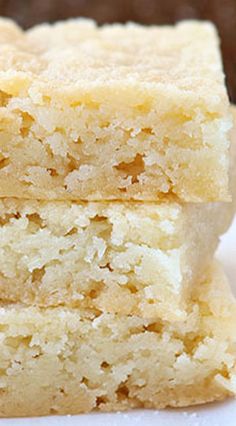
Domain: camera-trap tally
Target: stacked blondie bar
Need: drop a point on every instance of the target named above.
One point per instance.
(116, 183)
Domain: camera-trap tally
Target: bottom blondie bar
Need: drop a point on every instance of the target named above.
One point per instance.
(62, 360)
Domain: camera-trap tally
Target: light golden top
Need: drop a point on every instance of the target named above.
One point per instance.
(180, 58)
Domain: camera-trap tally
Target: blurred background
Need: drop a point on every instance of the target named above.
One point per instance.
(221, 12)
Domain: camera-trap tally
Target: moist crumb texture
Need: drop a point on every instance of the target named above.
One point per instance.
(128, 258)
(63, 361)
(116, 112)
(114, 190)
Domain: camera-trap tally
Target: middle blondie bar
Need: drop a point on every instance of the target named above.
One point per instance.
(127, 258)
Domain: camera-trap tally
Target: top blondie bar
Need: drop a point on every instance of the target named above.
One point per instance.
(113, 112)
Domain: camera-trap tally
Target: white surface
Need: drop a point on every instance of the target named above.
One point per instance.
(217, 414)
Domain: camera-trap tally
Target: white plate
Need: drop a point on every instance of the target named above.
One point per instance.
(216, 414)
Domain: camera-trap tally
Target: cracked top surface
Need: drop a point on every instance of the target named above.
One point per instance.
(184, 57)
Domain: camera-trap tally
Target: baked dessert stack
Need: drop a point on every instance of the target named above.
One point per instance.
(115, 176)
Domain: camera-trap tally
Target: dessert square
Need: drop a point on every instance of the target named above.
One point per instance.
(64, 361)
(130, 258)
(113, 112)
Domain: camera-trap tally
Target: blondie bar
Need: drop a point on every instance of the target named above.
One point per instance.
(130, 258)
(64, 361)
(113, 112)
